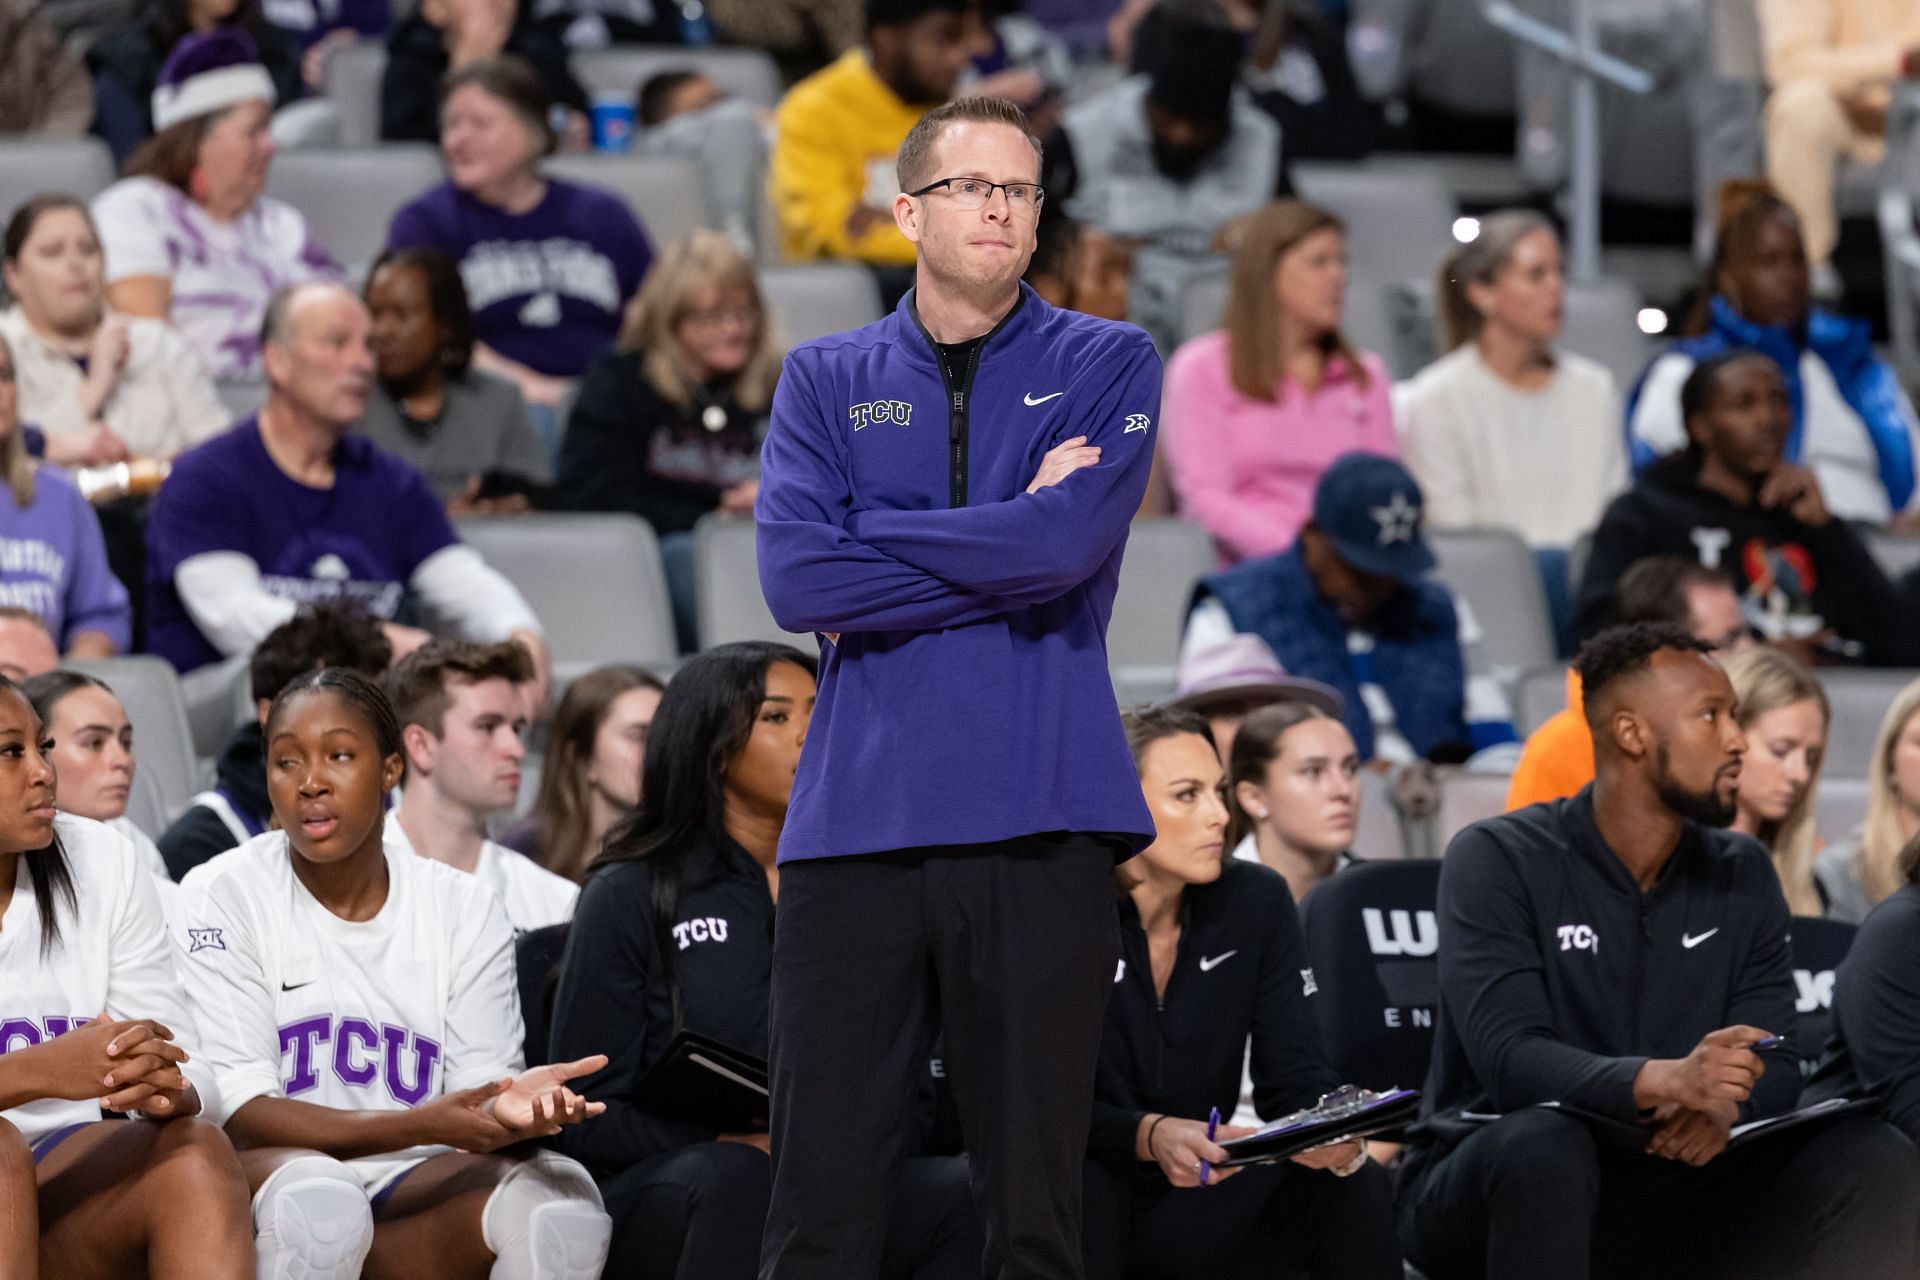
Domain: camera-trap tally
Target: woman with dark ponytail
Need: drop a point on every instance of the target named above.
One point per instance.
(674, 931)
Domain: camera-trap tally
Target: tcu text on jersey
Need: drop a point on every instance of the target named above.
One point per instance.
(24, 1033)
(362, 1053)
(880, 411)
(705, 929)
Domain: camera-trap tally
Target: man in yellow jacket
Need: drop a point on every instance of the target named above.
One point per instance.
(839, 130)
(1832, 65)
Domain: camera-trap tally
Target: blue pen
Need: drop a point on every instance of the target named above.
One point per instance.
(1213, 1127)
(1771, 1042)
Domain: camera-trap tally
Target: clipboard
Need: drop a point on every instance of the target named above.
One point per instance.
(702, 1081)
(1345, 1113)
(1624, 1135)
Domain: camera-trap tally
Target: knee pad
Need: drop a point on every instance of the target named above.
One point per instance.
(311, 1221)
(545, 1221)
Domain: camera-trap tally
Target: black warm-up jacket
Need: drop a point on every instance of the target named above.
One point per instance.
(1559, 978)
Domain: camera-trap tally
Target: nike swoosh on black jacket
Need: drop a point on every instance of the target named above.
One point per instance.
(1182, 1053)
(1559, 978)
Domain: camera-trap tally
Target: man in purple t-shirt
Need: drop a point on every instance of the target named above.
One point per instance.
(287, 509)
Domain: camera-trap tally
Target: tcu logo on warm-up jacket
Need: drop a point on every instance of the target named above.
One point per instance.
(879, 412)
(1578, 937)
(705, 929)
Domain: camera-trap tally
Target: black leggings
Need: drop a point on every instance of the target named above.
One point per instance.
(1266, 1221)
(696, 1214)
(1533, 1194)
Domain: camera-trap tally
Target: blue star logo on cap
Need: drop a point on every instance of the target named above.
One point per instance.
(1399, 520)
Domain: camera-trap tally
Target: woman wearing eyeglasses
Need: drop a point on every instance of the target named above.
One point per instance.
(668, 424)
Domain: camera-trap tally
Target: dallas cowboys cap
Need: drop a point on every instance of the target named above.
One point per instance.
(1369, 508)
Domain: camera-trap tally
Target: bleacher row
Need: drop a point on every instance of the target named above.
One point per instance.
(597, 580)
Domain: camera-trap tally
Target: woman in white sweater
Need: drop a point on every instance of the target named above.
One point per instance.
(1505, 431)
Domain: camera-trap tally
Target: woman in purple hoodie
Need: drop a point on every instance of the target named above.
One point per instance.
(53, 560)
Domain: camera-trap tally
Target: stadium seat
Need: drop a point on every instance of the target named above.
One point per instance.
(1496, 573)
(728, 603)
(30, 166)
(1372, 939)
(349, 196)
(1899, 217)
(1203, 302)
(241, 396)
(1898, 553)
(668, 194)
(1467, 798)
(817, 299)
(1381, 836)
(1540, 695)
(1165, 558)
(1843, 805)
(1859, 698)
(1818, 948)
(1399, 225)
(620, 70)
(352, 84)
(1603, 324)
(594, 581)
(167, 772)
(536, 962)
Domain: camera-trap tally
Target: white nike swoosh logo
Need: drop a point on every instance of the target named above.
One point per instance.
(1043, 399)
(1209, 963)
(1688, 941)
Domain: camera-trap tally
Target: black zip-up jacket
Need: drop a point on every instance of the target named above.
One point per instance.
(417, 61)
(615, 995)
(1669, 513)
(1559, 978)
(1875, 1049)
(1240, 970)
(199, 833)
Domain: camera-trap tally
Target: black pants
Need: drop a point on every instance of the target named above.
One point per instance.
(1533, 1195)
(1265, 1222)
(1010, 949)
(696, 1214)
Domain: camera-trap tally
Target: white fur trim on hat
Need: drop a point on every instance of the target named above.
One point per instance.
(211, 91)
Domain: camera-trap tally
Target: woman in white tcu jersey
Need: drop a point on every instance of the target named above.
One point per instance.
(89, 1003)
(363, 1023)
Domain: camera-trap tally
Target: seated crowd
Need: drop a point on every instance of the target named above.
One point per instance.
(387, 996)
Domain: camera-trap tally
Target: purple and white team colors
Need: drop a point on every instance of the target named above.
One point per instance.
(968, 698)
(377, 1015)
(113, 954)
(548, 286)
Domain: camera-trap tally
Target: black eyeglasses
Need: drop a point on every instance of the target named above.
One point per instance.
(973, 193)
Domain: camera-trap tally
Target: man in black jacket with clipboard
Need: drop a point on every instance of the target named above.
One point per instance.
(1620, 956)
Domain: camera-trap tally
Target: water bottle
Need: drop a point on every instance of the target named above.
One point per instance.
(696, 25)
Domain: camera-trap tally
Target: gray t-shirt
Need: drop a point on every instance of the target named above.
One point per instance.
(482, 427)
(1838, 871)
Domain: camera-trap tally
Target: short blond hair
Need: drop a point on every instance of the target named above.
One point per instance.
(916, 151)
(701, 259)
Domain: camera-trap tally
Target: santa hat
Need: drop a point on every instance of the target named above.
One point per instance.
(209, 71)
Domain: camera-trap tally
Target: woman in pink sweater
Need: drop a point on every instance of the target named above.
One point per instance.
(1255, 411)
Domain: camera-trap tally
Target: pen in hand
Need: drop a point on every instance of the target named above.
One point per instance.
(1213, 1128)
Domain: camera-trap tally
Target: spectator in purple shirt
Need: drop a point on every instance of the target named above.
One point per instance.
(53, 561)
(289, 508)
(548, 265)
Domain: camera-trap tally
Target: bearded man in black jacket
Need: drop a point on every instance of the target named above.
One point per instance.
(1621, 956)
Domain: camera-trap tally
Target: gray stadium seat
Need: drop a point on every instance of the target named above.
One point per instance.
(1859, 699)
(166, 775)
(241, 396)
(1843, 805)
(1203, 303)
(1378, 834)
(352, 79)
(29, 166)
(746, 73)
(1165, 558)
(1539, 695)
(1898, 553)
(667, 194)
(1399, 225)
(814, 300)
(1467, 798)
(728, 603)
(1496, 573)
(1603, 324)
(350, 196)
(595, 581)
